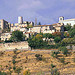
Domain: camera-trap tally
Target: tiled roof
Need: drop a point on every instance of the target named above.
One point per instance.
(46, 25)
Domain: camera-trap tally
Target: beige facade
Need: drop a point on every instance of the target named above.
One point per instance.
(67, 21)
(5, 36)
(20, 27)
(58, 27)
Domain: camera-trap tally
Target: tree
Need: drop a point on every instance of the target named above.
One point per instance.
(38, 57)
(64, 50)
(72, 32)
(66, 34)
(67, 27)
(16, 36)
(35, 42)
(52, 66)
(55, 53)
(39, 23)
(57, 39)
(38, 36)
(14, 68)
(67, 41)
(55, 34)
(13, 61)
(49, 36)
(45, 36)
(55, 72)
(3, 73)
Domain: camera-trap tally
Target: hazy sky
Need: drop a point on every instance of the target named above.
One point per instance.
(46, 11)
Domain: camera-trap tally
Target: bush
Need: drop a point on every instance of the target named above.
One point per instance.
(64, 50)
(54, 54)
(3, 73)
(26, 72)
(54, 72)
(18, 70)
(52, 65)
(38, 57)
(13, 61)
(1, 53)
(14, 57)
(14, 68)
(15, 50)
(57, 39)
(62, 60)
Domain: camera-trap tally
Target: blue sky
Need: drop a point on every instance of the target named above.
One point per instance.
(46, 11)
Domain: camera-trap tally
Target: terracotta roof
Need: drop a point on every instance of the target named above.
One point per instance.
(46, 25)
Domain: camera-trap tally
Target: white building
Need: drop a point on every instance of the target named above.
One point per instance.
(67, 21)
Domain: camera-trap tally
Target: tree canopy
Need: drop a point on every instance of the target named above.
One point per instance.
(57, 39)
(67, 27)
(17, 36)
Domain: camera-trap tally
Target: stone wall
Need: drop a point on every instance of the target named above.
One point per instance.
(12, 46)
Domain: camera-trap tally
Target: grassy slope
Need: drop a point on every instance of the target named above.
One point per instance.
(37, 66)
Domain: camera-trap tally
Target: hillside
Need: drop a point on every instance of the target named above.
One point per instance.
(26, 60)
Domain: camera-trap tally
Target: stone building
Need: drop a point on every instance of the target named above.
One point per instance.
(4, 24)
(21, 25)
(67, 21)
(5, 36)
(58, 27)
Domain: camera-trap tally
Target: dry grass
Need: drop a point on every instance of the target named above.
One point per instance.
(27, 60)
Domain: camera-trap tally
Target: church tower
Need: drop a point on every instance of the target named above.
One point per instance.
(61, 19)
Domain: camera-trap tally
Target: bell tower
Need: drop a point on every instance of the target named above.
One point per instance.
(61, 19)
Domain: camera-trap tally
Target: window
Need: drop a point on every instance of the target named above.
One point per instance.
(60, 18)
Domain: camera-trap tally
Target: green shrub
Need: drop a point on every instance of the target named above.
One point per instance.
(18, 70)
(14, 57)
(54, 72)
(38, 57)
(54, 54)
(3, 73)
(64, 50)
(52, 65)
(14, 68)
(15, 50)
(13, 61)
(62, 60)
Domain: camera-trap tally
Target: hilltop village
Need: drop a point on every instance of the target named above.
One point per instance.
(29, 28)
(30, 49)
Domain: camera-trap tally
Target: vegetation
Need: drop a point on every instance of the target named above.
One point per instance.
(26, 72)
(57, 39)
(64, 50)
(55, 53)
(16, 36)
(3, 73)
(18, 70)
(67, 27)
(54, 72)
(38, 57)
(62, 60)
(34, 66)
(52, 66)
